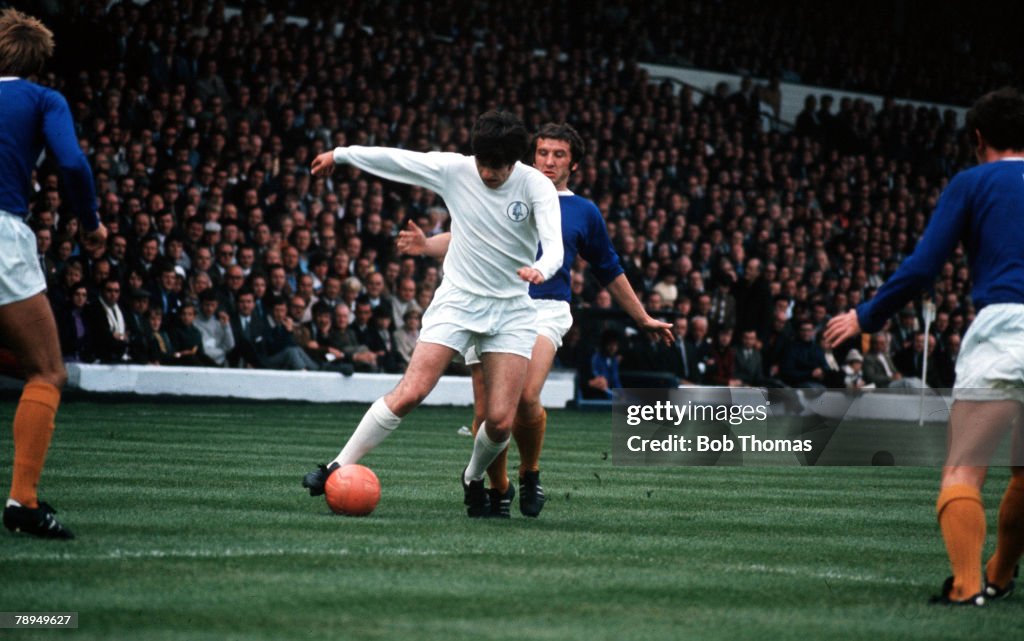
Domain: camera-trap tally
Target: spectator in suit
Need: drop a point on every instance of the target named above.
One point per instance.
(880, 369)
(72, 327)
(248, 329)
(343, 338)
(749, 368)
(683, 355)
(910, 361)
(165, 297)
(279, 348)
(803, 364)
(138, 325)
(188, 340)
(106, 325)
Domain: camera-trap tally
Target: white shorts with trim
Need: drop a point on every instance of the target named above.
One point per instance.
(991, 361)
(458, 319)
(21, 276)
(553, 322)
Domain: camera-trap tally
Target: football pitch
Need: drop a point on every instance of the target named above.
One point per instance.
(191, 524)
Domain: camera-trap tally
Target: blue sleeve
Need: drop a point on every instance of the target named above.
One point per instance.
(918, 271)
(59, 131)
(596, 248)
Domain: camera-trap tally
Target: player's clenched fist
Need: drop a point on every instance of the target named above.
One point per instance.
(412, 240)
(323, 164)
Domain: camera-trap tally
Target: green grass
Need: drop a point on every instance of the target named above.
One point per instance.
(191, 525)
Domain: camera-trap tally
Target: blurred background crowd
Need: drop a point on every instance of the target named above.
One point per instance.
(200, 120)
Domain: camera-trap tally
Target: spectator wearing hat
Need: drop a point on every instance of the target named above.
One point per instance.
(853, 372)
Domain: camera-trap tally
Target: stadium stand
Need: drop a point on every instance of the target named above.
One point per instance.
(200, 122)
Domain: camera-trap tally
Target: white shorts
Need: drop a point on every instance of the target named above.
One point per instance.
(553, 322)
(21, 276)
(991, 361)
(458, 319)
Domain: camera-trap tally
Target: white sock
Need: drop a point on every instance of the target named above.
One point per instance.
(484, 452)
(377, 424)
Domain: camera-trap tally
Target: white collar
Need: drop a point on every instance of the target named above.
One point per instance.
(565, 192)
(8, 78)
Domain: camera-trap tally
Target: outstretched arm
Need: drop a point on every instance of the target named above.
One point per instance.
(414, 242)
(623, 293)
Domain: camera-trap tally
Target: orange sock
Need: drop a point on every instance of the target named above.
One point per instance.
(530, 439)
(962, 519)
(33, 427)
(497, 473)
(1010, 542)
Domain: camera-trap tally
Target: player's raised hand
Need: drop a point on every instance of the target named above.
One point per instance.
(323, 164)
(657, 328)
(842, 328)
(95, 241)
(412, 240)
(530, 275)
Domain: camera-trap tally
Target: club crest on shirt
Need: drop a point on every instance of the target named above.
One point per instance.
(518, 211)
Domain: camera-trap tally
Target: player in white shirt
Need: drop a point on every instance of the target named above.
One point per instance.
(500, 210)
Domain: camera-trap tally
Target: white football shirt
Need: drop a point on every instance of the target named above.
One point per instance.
(494, 231)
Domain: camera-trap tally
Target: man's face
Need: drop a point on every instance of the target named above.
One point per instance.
(679, 328)
(749, 340)
(111, 293)
(375, 285)
(209, 308)
(187, 316)
(279, 312)
(363, 314)
(407, 290)
(554, 159)
(494, 177)
(341, 317)
(246, 304)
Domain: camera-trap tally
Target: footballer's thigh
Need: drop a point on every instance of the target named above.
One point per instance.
(429, 361)
(504, 375)
(30, 331)
(975, 430)
(541, 360)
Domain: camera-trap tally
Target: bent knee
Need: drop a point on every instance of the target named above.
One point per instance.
(57, 377)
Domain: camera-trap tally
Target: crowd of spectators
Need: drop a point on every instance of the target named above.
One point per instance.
(225, 251)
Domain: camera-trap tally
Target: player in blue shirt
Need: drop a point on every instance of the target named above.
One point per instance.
(557, 151)
(982, 207)
(32, 117)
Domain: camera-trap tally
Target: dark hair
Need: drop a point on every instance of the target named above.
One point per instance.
(207, 295)
(499, 139)
(565, 132)
(999, 116)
